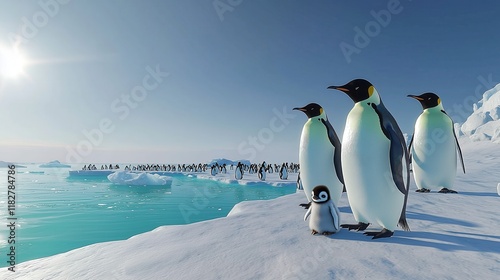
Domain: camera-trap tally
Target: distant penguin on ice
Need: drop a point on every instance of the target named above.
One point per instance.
(325, 217)
(434, 147)
(238, 171)
(283, 172)
(320, 154)
(213, 170)
(375, 162)
(299, 182)
(262, 173)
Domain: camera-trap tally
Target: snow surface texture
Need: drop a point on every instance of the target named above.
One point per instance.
(54, 164)
(453, 236)
(138, 179)
(484, 123)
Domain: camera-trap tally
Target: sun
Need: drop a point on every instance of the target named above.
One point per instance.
(12, 63)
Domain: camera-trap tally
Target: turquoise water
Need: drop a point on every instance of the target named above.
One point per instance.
(57, 213)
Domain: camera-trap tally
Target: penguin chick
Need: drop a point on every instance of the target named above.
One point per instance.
(325, 218)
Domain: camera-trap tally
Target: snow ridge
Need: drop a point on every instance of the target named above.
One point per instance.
(484, 122)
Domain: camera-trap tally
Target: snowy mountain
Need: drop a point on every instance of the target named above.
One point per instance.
(484, 123)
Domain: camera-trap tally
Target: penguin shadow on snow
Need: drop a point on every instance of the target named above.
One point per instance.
(426, 239)
(438, 219)
(446, 241)
(450, 241)
(478, 193)
(345, 209)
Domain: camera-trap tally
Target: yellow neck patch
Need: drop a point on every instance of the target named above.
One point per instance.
(320, 111)
(439, 101)
(371, 89)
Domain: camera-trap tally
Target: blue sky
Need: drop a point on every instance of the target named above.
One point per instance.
(223, 71)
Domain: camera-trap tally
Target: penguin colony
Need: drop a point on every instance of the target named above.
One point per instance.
(372, 162)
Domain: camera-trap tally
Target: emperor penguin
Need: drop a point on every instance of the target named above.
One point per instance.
(325, 217)
(262, 173)
(238, 171)
(319, 154)
(300, 187)
(213, 170)
(434, 147)
(283, 172)
(375, 162)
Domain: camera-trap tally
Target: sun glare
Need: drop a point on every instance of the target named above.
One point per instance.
(12, 63)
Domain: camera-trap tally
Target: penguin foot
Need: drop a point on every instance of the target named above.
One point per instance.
(326, 233)
(423, 190)
(357, 227)
(305, 205)
(382, 234)
(446, 190)
(313, 232)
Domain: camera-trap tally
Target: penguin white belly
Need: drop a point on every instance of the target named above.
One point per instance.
(238, 173)
(434, 152)
(372, 193)
(316, 160)
(321, 219)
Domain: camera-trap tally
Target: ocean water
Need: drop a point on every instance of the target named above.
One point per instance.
(57, 213)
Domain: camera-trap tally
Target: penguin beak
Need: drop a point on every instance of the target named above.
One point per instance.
(416, 97)
(339, 88)
(300, 109)
(315, 197)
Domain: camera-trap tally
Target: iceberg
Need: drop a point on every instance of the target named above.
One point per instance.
(138, 179)
(484, 123)
(54, 164)
(222, 161)
(4, 164)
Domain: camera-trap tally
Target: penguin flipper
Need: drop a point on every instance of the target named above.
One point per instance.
(334, 139)
(398, 151)
(305, 205)
(335, 215)
(409, 147)
(459, 150)
(398, 156)
(307, 213)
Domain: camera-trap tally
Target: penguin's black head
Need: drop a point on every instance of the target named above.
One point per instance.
(358, 89)
(320, 194)
(428, 100)
(311, 110)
